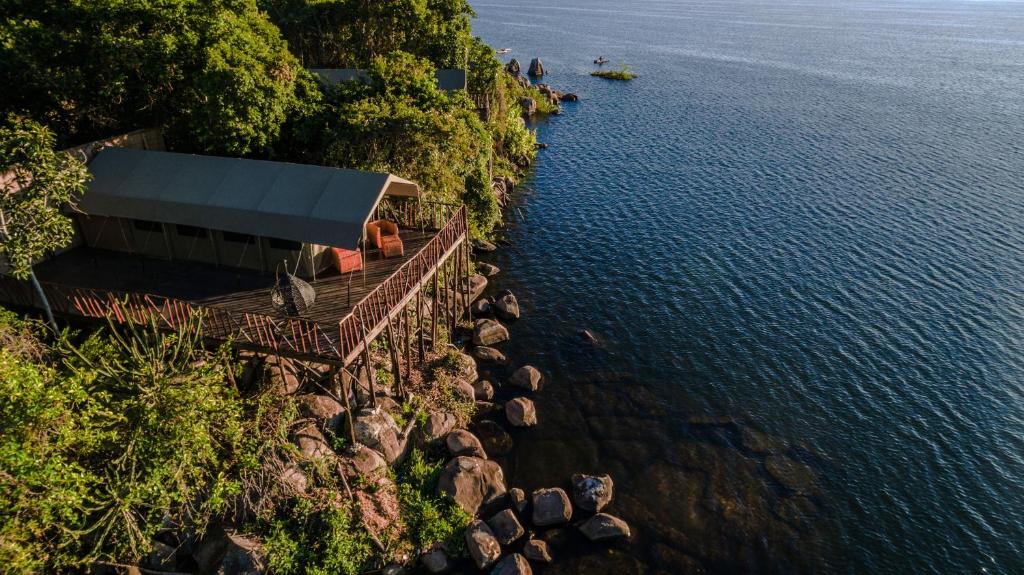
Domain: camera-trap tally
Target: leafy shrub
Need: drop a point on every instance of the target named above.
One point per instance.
(428, 518)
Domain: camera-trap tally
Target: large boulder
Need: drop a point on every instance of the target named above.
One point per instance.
(507, 306)
(604, 527)
(466, 368)
(551, 507)
(592, 492)
(437, 426)
(526, 377)
(488, 332)
(327, 411)
(483, 246)
(366, 461)
(483, 548)
(462, 442)
(537, 550)
(472, 482)
(481, 307)
(529, 106)
(505, 526)
(513, 67)
(464, 391)
(474, 285)
(521, 412)
(536, 68)
(514, 564)
(483, 390)
(570, 97)
(489, 270)
(488, 354)
(376, 429)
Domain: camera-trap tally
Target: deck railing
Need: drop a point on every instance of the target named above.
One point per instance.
(290, 336)
(377, 307)
(415, 214)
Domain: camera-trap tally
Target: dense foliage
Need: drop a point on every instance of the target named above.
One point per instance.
(218, 72)
(37, 182)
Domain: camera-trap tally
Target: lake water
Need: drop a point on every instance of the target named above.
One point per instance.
(799, 238)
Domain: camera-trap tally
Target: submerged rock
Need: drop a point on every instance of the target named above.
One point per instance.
(792, 474)
(472, 482)
(798, 511)
(506, 527)
(483, 547)
(604, 527)
(759, 442)
(521, 412)
(551, 507)
(592, 492)
(488, 332)
(495, 439)
(526, 377)
(462, 442)
(537, 550)
(514, 564)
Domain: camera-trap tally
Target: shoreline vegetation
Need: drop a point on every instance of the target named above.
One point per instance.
(624, 74)
(124, 448)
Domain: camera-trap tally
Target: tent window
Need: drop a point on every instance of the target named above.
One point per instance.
(190, 231)
(286, 245)
(239, 238)
(147, 226)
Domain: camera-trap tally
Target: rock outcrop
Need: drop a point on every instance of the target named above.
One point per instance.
(592, 492)
(604, 527)
(513, 67)
(472, 482)
(483, 548)
(536, 68)
(529, 106)
(521, 412)
(551, 507)
(488, 332)
(327, 411)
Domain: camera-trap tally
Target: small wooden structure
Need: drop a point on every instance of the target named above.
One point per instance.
(99, 280)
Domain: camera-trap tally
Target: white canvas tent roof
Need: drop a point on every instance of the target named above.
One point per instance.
(309, 204)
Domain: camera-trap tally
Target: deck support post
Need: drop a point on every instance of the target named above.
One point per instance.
(407, 342)
(453, 291)
(419, 323)
(433, 315)
(371, 377)
(396, 367)
(469, 303)
(342, 377)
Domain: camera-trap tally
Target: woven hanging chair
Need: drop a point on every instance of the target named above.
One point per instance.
(291, 295)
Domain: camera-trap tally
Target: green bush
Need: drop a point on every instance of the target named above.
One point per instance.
(429, 519)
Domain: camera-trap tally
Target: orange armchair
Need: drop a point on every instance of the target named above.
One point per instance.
(384, 235)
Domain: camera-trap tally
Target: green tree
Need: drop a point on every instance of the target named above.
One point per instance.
(38, 181)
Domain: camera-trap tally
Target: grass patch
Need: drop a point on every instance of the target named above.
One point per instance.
(623, 74)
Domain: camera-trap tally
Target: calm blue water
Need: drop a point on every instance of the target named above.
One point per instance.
(807, 216)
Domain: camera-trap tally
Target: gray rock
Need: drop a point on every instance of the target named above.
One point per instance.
(437, 426)
(367, 461)
(467, 368)
(436, 561)
(464, 391)
(570, 97)
(495, 439)
(483, 547)
(483, 390)
(513, 67)
(483, 246)
(462, 442)
(242, 556)
(537, 550)
(536, 68)
(312, 443)
(487, 269)
(592, 492)
(518, 498)
(481, 307)
(377, 430)
(604, 527)
(506, 527)
(526, 377)
(488, 354)
(472, 482)
(514, 564)
(488, 332)
(507, 306)
(551, 507)
(474, 285)
(521, 412)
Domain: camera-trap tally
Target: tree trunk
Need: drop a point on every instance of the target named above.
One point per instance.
(42, 298)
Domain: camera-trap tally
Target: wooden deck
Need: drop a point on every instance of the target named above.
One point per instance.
(349, 310)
